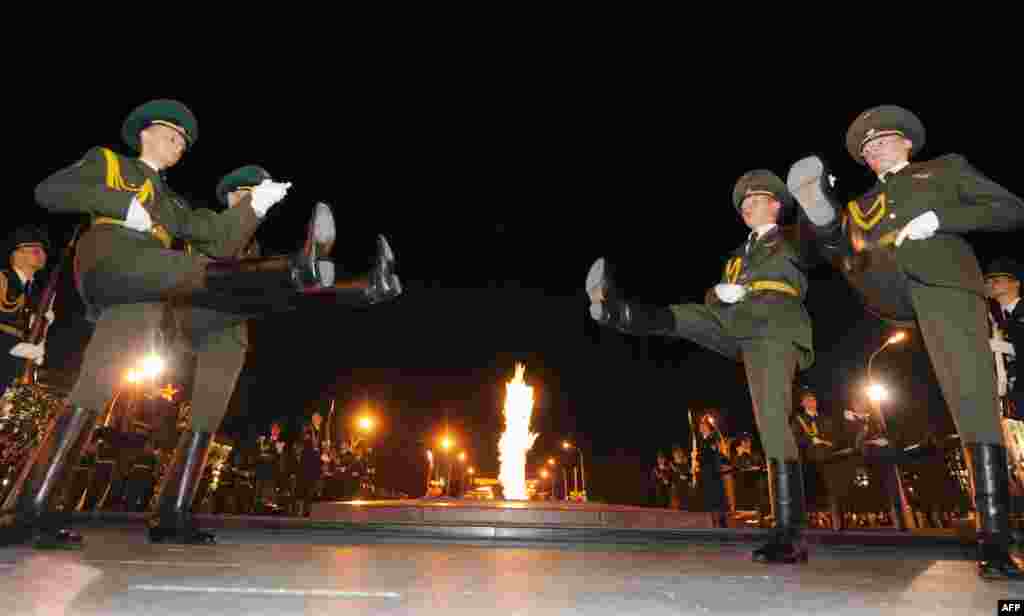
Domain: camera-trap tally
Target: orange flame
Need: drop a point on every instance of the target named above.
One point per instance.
(517, 438)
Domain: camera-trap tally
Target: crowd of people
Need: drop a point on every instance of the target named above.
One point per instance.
(121, 470)
(849, 467)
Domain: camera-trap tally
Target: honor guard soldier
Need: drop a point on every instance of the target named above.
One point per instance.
(26, 251)
(901, 246)
(755, 315)
(813, 434)
(711, 462)
(128, 272)
(751, 478)
(1002, 281)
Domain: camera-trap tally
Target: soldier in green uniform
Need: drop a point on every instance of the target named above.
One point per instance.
(1002, 281)
(26, 248)
(755, 315)
(225, 349)
(128, 271)
(900, 245)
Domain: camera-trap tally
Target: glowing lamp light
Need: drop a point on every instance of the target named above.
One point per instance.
(152, 365)
(877, 392)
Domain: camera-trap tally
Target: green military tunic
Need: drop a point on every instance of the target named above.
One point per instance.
(769, 330)
(935, 282)
(126, 274)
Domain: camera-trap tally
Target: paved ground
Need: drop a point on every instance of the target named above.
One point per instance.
(264, 572)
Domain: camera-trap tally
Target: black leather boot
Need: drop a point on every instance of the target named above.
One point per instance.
(987, 464)
(264, 275)
(810, 183)
(173, 522)
(609, 309)
(787, 490)
(384, 283)
(321, 233)
(27, 508)
(378, 285)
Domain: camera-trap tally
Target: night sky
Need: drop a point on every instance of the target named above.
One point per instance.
(497, 189)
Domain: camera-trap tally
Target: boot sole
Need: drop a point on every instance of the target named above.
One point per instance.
(595, 281)
(802, 181)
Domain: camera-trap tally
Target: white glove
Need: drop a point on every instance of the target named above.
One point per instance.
(267, 194)
(920, 228)
(25, 350)
(137, 217)
(50, 317)
(597, 311)
(730, 293)
(1001, 346)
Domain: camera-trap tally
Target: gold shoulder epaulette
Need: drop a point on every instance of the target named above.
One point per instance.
(6, 306)
(867, 220)
(115, 181)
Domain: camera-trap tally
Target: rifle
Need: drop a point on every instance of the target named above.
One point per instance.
(328, 426)
(40, 324)
(693, 449)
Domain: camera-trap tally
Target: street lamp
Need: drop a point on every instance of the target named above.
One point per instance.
(446, 445)
(150, 367)
(877, 393)
(893, 339)
(566, 445)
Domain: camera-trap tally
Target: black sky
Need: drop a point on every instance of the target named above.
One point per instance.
(497, 186)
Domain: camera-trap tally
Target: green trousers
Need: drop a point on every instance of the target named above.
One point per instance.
(126, 332)
(770, 364)
(954, 326)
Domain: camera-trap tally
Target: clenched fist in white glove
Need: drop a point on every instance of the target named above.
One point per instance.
(50, 316)
(137, 217)
(1001, 346)
(35, 352)
(920, 228)
(730, 293)
(267, 194)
